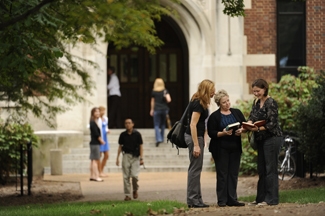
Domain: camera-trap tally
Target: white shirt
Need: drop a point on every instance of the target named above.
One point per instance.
(114, 86)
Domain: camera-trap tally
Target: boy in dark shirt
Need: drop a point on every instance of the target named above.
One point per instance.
(130, 144)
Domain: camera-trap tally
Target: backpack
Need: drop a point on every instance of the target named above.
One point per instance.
(176, 134)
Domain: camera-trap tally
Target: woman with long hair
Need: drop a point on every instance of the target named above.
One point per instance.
(160, 97)
(95, 142)
(104, 149)
(194, 138)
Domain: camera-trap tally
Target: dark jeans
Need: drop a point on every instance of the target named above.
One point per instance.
(227, 167)
(267, 167)
(114, 118)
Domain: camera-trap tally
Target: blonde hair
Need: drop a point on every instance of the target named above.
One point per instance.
(203, 93)
(159, 85)
(220, 94)
(101, 108)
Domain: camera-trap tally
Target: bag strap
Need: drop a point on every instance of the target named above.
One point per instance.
(185, 114)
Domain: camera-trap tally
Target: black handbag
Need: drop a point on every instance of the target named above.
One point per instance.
(176, 134)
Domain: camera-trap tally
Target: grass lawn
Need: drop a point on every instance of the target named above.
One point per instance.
(137, 208)
(114, 208)
(302, 196)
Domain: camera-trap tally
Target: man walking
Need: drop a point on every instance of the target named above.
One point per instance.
(114, 98)
(130, 144)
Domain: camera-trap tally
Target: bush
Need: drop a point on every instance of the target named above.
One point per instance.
(311, 126)
(12, 135)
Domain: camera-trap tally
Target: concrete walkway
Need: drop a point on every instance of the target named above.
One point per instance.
(153, 186)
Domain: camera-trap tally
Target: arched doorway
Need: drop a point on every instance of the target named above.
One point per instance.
(137, 70)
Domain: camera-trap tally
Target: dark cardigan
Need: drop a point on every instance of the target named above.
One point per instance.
(214, 127)
(94, 133)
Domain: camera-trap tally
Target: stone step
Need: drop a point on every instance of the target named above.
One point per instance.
(165, 158)
(149, 168)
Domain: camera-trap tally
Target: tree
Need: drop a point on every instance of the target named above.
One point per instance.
(35, 64)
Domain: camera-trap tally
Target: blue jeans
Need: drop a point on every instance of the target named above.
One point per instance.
(159, 122)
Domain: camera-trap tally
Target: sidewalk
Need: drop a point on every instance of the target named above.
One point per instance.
(153, 186)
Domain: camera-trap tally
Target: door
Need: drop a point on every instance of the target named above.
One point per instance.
(137, 70)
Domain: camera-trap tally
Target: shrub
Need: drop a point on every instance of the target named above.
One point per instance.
(311, 126)
(12, 135)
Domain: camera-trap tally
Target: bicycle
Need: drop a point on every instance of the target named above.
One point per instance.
(286, 162)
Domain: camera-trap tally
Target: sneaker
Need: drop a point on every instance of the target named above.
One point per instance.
(135, 194)
(127, 198)
(252, 203)
(262, 204)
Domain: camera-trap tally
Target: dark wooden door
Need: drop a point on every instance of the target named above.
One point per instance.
(137, 71)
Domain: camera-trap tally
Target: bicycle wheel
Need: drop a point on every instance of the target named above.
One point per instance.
(288, 170)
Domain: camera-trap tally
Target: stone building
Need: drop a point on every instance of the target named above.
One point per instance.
(273, 39)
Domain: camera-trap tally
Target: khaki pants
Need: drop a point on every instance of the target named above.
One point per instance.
(131, 169)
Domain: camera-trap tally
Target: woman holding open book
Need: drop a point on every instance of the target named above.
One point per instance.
(225, 145)
(269, 139)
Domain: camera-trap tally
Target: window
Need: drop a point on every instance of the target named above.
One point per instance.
(291, 37)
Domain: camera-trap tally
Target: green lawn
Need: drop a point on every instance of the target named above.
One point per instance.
(302, 196)
(137, 208)
(114, 208)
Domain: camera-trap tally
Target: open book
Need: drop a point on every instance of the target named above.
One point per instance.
(248, 126)
(234, 126)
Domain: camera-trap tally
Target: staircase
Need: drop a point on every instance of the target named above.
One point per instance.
(157, 159)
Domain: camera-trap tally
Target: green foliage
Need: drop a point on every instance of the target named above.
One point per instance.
(301, 196)
(38, 72)
(161, 207)
(13, 135)
(310, 125)
(234, 7)
(290, 92)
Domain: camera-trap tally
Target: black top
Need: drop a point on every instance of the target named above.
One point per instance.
(131, 142)
(160, 100)
(232, 142)
(94, 133)
(268, 112)
(195, 106)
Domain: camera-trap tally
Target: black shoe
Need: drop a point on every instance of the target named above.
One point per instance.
(222, 205)
(202, 205)
(236, 204)
(157, 144)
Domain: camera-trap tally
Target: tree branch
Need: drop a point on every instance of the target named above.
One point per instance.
(25, 15)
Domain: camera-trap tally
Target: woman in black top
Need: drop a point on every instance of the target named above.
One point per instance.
(160, 97)
(269, 139)
(95, 142)
(194, 138)
(226, 149)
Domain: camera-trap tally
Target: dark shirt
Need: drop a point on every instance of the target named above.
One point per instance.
(215, 125)
(131, 142)
(195, 106)
(268, 112)
(94, 133)
(160, 100)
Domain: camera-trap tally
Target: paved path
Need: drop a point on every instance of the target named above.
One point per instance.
(153, 186)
